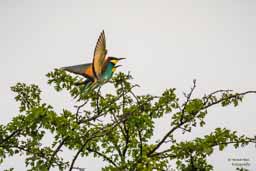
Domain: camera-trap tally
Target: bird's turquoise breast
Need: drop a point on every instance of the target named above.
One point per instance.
(107, 74)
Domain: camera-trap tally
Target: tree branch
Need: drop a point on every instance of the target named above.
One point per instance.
(14, 133)
(103, 156)
(100, 113)
(230, 97)
(183, 122)
(55, 152)
(250, 140)
(141, 143)
(112, 125)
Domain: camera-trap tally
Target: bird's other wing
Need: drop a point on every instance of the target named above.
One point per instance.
(82, 69)
(86, 82)
(100, 53)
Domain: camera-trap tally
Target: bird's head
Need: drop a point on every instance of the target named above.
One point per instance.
(114, 60)
(115, 67)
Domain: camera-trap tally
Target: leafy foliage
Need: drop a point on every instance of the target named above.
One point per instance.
(117, 127)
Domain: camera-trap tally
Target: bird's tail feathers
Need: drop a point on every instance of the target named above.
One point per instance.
(86, 86)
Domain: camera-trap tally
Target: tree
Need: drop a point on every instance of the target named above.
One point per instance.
(116, 127)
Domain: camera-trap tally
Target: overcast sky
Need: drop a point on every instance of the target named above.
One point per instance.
(167, 44)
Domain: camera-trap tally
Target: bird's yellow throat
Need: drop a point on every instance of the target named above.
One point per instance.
(114, 61)
(113, 69)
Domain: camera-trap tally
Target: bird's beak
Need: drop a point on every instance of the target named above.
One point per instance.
(120, 59)
(115, 67)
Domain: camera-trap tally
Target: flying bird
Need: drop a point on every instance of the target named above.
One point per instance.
(102, 67)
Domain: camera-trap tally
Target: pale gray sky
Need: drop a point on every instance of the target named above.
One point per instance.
(167, 43)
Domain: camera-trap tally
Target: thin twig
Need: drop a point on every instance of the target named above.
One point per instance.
(79, 108)
(188, 97)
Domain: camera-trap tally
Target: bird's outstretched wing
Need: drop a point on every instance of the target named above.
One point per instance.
(100, 53)
(82, 69)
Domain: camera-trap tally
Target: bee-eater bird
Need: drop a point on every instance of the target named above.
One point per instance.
(102, 67)
(110, 69)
